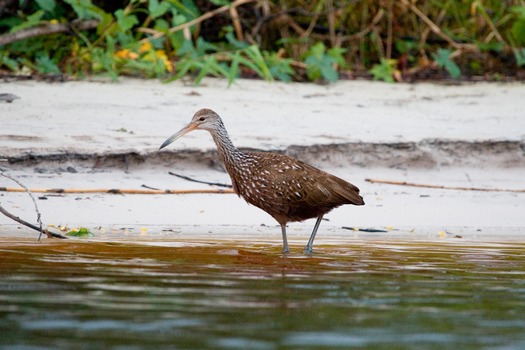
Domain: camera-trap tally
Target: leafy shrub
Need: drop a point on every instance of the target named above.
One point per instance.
(285, 40)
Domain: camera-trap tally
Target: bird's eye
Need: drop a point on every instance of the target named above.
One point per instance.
(202, 119)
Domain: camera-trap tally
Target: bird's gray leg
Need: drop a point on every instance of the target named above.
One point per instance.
(308, 249)
(285, 240)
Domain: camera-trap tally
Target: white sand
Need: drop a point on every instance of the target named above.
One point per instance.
(138, 115)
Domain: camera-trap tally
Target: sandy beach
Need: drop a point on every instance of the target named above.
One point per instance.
(98, 134)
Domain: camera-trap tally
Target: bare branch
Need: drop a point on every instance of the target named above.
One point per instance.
(117, 190)
(404, 183)
(200, 181)
(433, 27)
(46, 29)
(38, 215)
(185, 26)
(23, 222)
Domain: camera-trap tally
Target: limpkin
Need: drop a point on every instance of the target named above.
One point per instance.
(286, 188)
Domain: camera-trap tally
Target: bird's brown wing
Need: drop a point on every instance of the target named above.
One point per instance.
(318, 192)
(300, 191)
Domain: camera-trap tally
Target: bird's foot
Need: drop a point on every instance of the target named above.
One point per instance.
(286, 250)
(308, 250)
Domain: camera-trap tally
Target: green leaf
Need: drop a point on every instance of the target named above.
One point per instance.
(183, 67)
(46, 65)
(81, 232)
(234, 67)
(491, 46)
(210, 66)
(320, 63)
(106, 20)
(8, 62)
(518, 10)
(188, 8)
(518, 32)
(336, 53)
(10, 21)
(280, 68)
(250, 65)
(257, 59)
(187, 48)
(384, 70)
(329, 73)
(204, 47)
(405, 46)
(317, 50)
(31, 21)
(46, 5)
(85, 9)
(233, 40)
(103, 59)
(125, 22)
(442, 59)
(220, 2)
(157, 9)
(520, 56)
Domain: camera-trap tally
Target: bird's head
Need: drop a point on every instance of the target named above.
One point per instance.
(204, 119)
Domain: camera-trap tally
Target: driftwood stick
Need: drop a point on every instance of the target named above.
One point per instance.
(38, 215)
(46, 29)
(371, 230)
(116, 190)
(200, 181)
(404, 183)
(25, 223)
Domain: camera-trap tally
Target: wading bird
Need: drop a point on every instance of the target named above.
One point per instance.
(286, 188)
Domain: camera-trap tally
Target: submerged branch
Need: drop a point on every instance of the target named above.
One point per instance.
(27, 224)
(23, 222)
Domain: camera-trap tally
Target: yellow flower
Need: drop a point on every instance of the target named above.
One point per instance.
(161, 54)
(125, 53)
(145, 47)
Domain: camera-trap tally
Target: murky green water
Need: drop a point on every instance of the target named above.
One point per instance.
(236, 295)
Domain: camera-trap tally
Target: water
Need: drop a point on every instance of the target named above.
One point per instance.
(370, 294)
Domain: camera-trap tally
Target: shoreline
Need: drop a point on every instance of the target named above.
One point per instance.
(106, 135)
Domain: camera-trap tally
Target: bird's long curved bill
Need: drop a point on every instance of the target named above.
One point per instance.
(179, 134)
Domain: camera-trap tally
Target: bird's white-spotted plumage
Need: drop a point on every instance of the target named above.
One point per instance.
(286, 188)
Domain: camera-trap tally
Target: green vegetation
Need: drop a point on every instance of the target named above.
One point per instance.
(284, 40)
(80, 232)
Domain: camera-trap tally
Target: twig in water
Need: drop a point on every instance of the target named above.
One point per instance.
(38, 215)
(23, 222)
(200, 181)
(404, 183)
